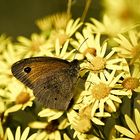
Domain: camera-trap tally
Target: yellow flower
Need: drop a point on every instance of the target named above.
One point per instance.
(53, 22)
(8, 57)
(59, 24)
(133, 130)
(81, 125)
(63, 51)
(128, 47)
(36, 46)
(2, 134)
(85, 111)
(98, 57)
(4, 41)
(21, 96)
(51, 114)
(102, 91)
(108, 26)
(125, 11)
(2, 106)
(71, 27)
(45, 136)
(138, 101)
(131, 80)
(85, 42)
(5, 103)
(49, 130)
(18, 135)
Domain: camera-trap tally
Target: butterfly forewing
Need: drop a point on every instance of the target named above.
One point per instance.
(51, 79)
(38, 66)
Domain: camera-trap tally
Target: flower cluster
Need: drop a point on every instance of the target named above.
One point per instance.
(109, 80)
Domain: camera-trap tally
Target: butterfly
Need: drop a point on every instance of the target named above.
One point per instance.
(51, 79)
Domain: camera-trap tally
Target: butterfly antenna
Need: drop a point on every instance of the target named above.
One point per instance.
(80, 47)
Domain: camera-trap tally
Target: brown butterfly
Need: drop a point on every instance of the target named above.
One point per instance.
(51, 79)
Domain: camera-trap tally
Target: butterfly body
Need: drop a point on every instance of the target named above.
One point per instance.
(51, 79)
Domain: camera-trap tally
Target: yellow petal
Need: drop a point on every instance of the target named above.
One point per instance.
(9, 134)
(57, 135)
(17, 135)
(32, 137)
(131, 124)
(111, 104)
(13, 109)
(124, 131)
(137, 118)
(97, 121)
(66, 137)
(25, 133)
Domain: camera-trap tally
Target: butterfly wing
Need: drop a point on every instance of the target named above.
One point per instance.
(38, 66)
(51, 79)
(55, 91)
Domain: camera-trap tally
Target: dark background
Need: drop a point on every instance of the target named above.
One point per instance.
(17, 17)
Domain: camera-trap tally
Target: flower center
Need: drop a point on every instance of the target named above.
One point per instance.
(36, 43)
(98, 63)
(86, 111)
(62, 38)
(137, 136)
(83, 120)
(22, 98)
(125, 14)
(130, 83)
(100, 91)
(52, 126)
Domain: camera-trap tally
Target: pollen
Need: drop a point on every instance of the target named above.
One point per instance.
(98, 63)
(52, 126)
(130, 83)
(100, 91)
(36, 43)
(35, 46)
(22, 98)
(90, 51)
(125, 14)
(137, 136)
(86, 111)
(1, 138)
(62, 38)
(83, 121)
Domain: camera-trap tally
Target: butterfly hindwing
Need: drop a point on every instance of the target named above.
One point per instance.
(56, 91)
